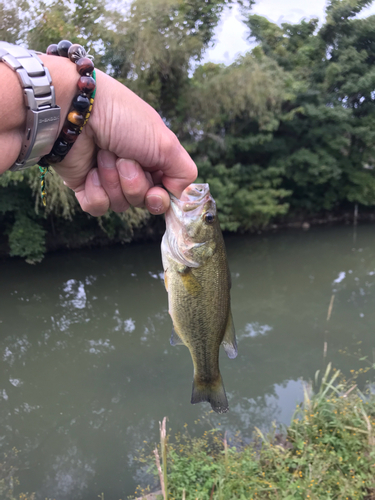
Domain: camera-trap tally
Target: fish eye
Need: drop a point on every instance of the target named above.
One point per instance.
(209, 217)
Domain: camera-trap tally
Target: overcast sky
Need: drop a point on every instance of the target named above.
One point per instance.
(231, 33)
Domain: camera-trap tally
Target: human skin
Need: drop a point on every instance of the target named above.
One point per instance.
(124, 153)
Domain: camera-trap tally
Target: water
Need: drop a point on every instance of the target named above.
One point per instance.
(87, 370)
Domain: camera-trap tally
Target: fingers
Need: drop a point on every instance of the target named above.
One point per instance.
(134, 182)
(135, 130)
(110, 181)
(138, 187)
(178, 168)
(92, 197)
(118, 183)
(157, 200)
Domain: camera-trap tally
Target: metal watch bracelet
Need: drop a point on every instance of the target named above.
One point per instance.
(43, 116)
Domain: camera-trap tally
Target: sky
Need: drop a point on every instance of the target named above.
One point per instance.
(231, 33)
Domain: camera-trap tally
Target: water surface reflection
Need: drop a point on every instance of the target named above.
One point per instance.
(87, 370)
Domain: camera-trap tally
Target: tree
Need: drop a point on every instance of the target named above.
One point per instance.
(327, 147)
(11, 24)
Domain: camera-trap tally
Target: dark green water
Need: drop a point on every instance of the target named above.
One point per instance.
(87, 371)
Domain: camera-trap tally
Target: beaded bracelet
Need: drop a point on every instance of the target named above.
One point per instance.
(80, 110)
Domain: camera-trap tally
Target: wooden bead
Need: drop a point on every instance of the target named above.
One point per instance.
(69, 134)
(76, 52)
(85, 66)
(86, 84)
(52, 50)
(63, 47)
(76, 118)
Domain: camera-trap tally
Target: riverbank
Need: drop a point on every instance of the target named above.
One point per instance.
(327, 452)
(151, 228)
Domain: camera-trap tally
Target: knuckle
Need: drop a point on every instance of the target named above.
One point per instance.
(132, 187)
(119, 206)
(169, 143)
(94, 208)
(192, 172)
(112, 184)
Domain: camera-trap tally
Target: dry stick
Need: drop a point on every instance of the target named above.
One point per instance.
(163, 443)
(157, 459)
(212, 492)
(330, 307)
(355, 214)
(349, 391)
(225, 443)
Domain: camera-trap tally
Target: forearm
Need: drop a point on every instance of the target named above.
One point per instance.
(13, 110)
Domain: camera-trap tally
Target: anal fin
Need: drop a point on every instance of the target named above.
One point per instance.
(229, 341)
(176, 339)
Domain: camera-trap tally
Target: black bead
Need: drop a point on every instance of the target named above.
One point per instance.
(63, 47)
(81, 103)
(60, 148)
(43, 162)
(52, 50)
(52, 158)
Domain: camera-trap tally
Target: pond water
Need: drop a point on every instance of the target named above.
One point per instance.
(87, 370)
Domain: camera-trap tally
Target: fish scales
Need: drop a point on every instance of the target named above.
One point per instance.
(197, 279)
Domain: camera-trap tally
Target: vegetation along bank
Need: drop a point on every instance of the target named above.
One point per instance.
(327, 452)
(285, 131)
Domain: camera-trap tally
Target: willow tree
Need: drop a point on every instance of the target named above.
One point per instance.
(12, 25)
(155, 46)
(233, 114)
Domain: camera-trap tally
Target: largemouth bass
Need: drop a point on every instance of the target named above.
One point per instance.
(197, 280)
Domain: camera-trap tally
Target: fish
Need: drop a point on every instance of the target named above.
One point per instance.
(198, 282)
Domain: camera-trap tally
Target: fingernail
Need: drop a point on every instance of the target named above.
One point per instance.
(155, 202)
(95, 178)
(127, 168)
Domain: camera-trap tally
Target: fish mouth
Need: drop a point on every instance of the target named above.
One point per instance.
(193, 197)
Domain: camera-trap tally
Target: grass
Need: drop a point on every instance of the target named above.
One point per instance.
(327, 453)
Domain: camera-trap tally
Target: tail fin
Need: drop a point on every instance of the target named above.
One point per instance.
(213, 393)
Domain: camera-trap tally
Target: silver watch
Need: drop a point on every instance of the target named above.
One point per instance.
(43, 116)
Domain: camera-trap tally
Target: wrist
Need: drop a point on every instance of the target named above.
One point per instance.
(13, 116)
(64, 79)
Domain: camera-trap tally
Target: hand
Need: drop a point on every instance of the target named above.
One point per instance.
(124, 153)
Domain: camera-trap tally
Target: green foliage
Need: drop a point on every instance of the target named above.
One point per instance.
(287, 130)
(326, 453)
(84, 22)
(154, 45)
(11, 24)
(26, 239)
(247, 196)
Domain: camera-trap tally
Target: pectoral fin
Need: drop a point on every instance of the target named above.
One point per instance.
(165, 280)
(229, 340)
(191, 284)
(175, 338)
